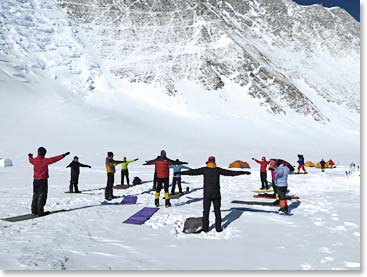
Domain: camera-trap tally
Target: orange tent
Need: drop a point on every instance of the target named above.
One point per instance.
(239, 164)
(309, 164)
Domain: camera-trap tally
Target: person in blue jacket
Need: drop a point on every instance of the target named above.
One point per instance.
(282, 172)
(301, 164)
(177, 176)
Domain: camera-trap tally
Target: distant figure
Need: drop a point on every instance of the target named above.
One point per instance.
(40, 182)
(263, 176)
(331, 163)
(346, 174)
(125, 170)
(301, 164)
(177, 176)
(322, 163)
(74, 174)
(110, 169)
(211, 174)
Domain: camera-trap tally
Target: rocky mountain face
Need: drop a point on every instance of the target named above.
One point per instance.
(290, 57)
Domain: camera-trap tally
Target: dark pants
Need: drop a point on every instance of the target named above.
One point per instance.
(264, 182)
(40, 189)
(74, 180)
(155, 181)
(274, 187)
(109, 187)
(282, 192)
(125, 172)
(162, 182)
(218, 218)
(176, 180)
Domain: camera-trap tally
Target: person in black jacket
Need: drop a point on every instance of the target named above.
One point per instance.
(212, 190)
(74, 176)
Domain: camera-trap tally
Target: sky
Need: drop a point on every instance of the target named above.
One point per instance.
(352, 6)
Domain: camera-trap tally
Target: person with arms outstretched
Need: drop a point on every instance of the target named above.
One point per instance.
(177, 176)
(40, 181)
(125, 170)
(75, 166)
(211, 174)
(110, 169)
(263, 176)
(162, 164)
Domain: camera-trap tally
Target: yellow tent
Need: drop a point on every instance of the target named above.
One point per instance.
(309, 164)
(239, 164)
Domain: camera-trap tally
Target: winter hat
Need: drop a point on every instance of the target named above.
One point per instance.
(76, 158)
(109, 154)
(163, 153)
(211, 159)
(42, 151)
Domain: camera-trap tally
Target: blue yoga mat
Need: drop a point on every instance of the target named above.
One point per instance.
(141, 216)
(129, 200)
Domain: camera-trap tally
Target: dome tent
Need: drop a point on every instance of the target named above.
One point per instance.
(5, 162)
(239, 164)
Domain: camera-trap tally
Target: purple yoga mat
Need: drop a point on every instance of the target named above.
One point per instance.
(129, 200)
(141, 216)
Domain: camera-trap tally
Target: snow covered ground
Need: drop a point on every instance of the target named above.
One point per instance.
(323, 231)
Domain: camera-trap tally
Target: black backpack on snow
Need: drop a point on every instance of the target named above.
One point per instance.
(137, 181)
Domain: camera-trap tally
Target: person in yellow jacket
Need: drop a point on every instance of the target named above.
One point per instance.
(125, 170)
(110, 169)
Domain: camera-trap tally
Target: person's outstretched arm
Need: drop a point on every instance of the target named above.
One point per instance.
(69, 164)
(185, 167)
(131, 161)
(192, 172)
(84, 165)
(226, 172)
(56, 158)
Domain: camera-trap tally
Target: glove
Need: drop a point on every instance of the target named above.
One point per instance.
(247, 172)
(30, 155)
(67, 153)
(136, 159)
(253, 159)
(89, 166)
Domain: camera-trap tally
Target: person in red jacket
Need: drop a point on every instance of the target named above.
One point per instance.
(40, 182)
(162, 164)
(263, 176)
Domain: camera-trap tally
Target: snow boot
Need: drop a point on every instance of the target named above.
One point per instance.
(76, 189)
(283, 206)
(156, 199)
(167, 201)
